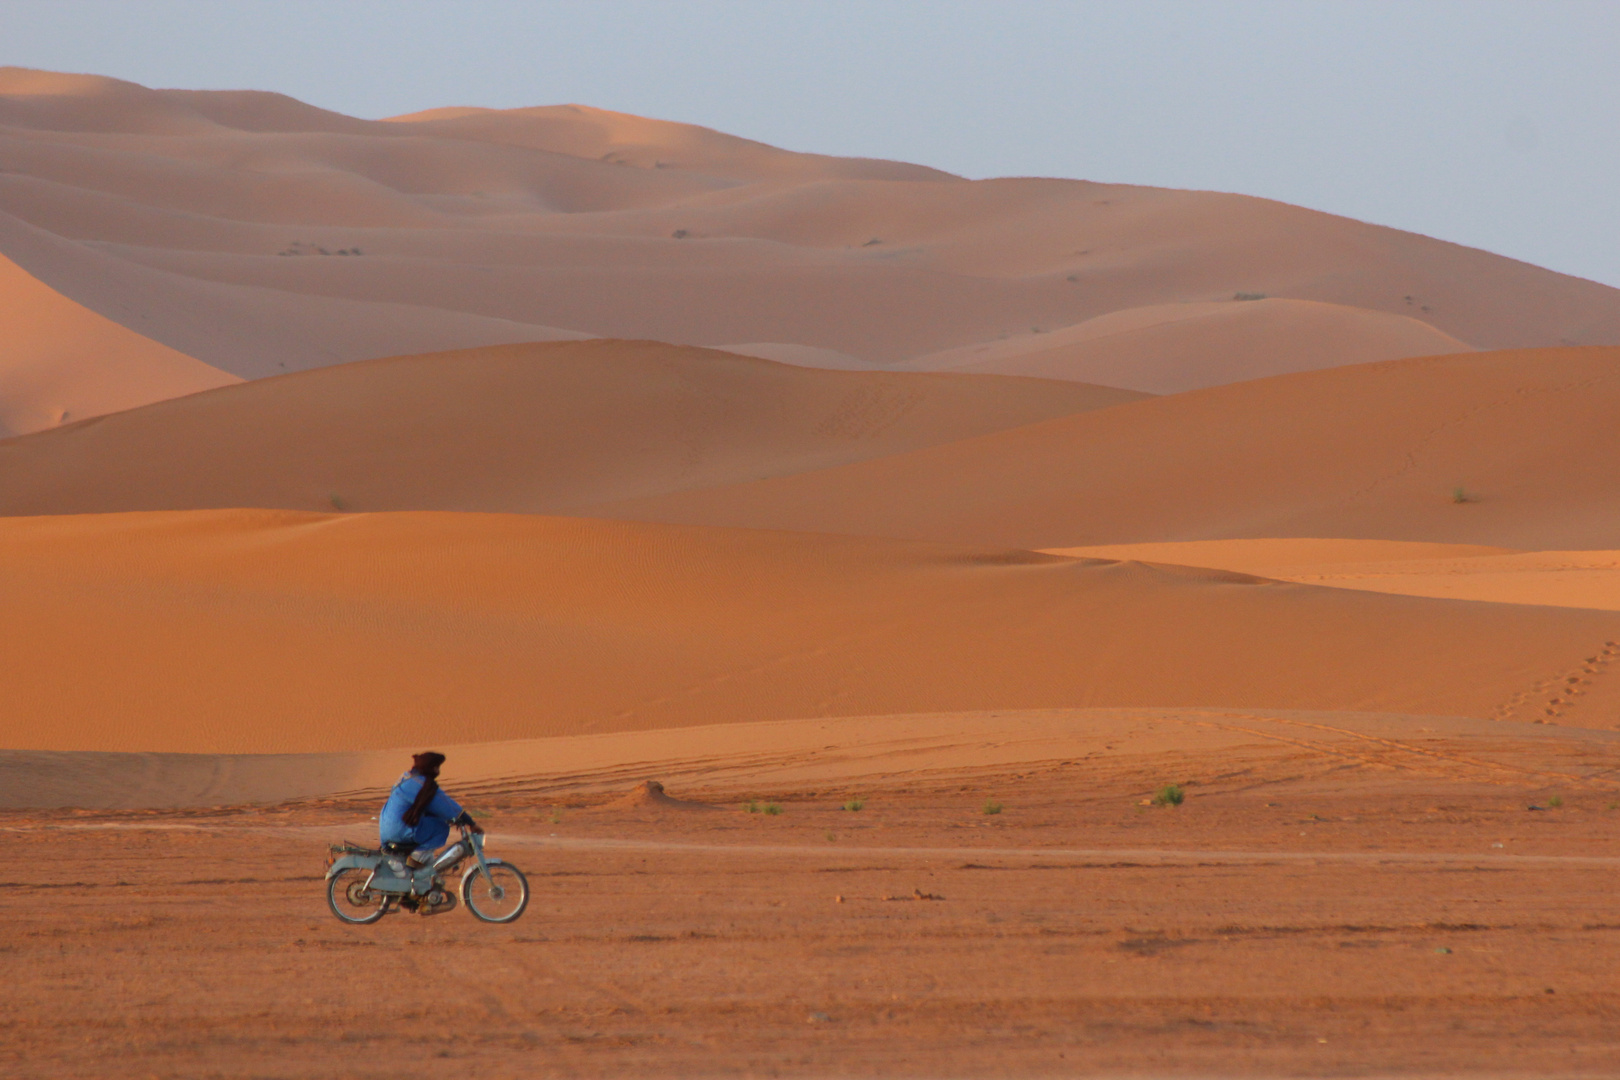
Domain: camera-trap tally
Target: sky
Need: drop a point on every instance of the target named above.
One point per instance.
(1491, 123)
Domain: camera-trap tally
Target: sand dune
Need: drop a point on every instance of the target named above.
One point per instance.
(60, 361)
(199, 219)
(1376, 451)
(249, 331)
(622, 139)
(257, 631)
(802, 355)
(534, 428)
(1319, 592)
(830, 753)
(1582, 579)
(1168, 348)
(1271, 552)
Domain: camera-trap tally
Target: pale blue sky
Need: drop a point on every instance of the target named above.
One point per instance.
(1490, 123)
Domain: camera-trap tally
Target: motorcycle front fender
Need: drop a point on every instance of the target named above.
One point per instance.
(472, 871)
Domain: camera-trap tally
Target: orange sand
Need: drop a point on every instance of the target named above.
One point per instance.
(1168, 348)
(1375, 451)
(1585, 579)
(536, 428)
(845, 753)
(199, 219)
(237, 631)
(60, 361)
(1352, 584)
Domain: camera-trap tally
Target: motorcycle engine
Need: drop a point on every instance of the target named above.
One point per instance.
(437, 902)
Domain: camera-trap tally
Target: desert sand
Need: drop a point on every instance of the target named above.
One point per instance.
(903, 625)
(1168, 348)
(64, 362)
(275, 632)
(1336, 896)
(1583, 579)
(1504, 449)
(260, 234)
(541, 428)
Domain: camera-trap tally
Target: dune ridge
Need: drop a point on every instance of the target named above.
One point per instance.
(60, 361)
(248, 331)
(1582, 579)
(622, 139)
(1505, 449)
(1168, 348)
(534, 428)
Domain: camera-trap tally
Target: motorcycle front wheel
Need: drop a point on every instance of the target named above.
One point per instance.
(501, 899)
(351, 901)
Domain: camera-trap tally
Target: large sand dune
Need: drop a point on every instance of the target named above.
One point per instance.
(60, 361)
(1168, 348)
(534, 428)
(620, 139)
(259, 234)
(1526, 440)
(249, 331)
(260, 631)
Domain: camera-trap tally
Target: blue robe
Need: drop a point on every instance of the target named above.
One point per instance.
(434, 827)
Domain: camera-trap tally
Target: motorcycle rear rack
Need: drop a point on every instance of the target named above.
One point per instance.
(349, 847)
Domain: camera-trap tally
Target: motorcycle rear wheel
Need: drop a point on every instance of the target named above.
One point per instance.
(499, 900)
(351, 901)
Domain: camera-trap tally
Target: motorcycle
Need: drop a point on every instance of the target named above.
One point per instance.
(364, 884)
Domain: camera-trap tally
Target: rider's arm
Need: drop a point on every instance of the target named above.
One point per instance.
(444, 807)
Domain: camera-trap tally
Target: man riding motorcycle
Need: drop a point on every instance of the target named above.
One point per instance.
(416, 819)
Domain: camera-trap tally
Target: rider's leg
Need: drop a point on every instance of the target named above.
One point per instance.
(431, 834)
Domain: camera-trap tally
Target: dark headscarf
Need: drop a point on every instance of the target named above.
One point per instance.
(420, 764)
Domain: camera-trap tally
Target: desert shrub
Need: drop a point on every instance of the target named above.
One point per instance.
(1169, 795)
(992, 807)
(855, 804)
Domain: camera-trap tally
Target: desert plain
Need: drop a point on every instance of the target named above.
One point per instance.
(902, 625)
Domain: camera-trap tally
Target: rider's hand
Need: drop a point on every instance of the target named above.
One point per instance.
(474, 826)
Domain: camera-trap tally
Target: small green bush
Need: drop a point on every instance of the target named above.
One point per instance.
(772, 809)
(992, 807)
(855, 804)
(1556, 801)
(751, 806)
(1169, 795)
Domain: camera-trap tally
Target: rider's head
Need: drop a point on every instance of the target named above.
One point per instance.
(427, 764)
